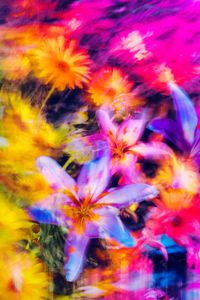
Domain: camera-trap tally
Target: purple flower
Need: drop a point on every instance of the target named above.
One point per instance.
(182, 131)
(86, 207)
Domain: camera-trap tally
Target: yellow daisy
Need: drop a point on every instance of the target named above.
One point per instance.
(32, 187)
(176, 199)
(15, 66)
(178, 173)
(26, 140)
(14, 224)
(23, 277)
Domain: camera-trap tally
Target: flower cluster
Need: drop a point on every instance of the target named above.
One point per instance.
(99, 147)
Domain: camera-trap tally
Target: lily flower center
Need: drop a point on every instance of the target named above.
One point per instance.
(119, 150)
(84, 212)
(81, 214)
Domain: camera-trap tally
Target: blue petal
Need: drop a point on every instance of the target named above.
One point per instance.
(186, 114)
(49, 209)
(75, 248)
(117, 231)
(42, 216)
(195, 151)
(166, 128)
(111, 225)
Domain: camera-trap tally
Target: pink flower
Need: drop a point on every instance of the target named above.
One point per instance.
(181, 225)
(123, 143)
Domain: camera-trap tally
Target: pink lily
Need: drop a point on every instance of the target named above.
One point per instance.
(124, 145)
(85, 207)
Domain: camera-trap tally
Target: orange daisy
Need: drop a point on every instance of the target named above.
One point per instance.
(61, 63)
(110, 87)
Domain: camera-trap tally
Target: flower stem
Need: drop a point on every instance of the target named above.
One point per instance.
(50, 92)
(68, 162)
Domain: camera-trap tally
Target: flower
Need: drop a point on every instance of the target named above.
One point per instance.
(193, 258)
(17, 164)
(20, 123)
(14, 222)
(179, 174)
(31, 187)
(79, 22)
(15, 66)
(60, 63)
(130, 44)
(133, 284)
(140, 44)
(110, 87)
(182, 225)
(22, 277)
(86, 207)
(176, 199)
(31, 10)
(123, 143)
(187, 135)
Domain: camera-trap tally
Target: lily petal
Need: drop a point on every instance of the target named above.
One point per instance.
(195, 151)
(97, 145)
(107, 126)
(111, 225)
(92, 229)
(153, 150)
(91, 291)
(130, 131)
(159, 246)
(127, 167)
(93, 178)
(49, 210)
(54, 174)
(171, 130)
(75, 248)
(186, 114)
(128, 194)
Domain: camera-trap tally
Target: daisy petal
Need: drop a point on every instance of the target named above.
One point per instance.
(93, 178)
(128, 194)
(186, 114)
(75, 248)
(54, 174)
